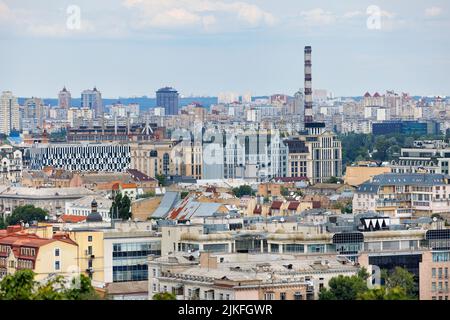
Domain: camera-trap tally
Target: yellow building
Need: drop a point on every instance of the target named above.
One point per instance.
(90, 255)
(48, 253)
(56, 256)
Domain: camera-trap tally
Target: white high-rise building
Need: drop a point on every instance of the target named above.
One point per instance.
(238, 152)
(9, 113)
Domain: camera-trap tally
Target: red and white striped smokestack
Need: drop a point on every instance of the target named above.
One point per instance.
(308, 86)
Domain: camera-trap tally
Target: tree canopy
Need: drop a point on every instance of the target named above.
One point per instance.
(164, 296)
(26, 214)
(359, 146)
(161, 179)
(399, 286)
(121, 207)
(22, 286)
(244, 190)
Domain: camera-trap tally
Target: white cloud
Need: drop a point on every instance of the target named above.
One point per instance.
(433, 12)
(352, 14)
(195, 13)
(5, 12)
(175, 18)
(318, 16)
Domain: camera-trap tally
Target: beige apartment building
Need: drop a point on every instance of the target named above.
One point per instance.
(168, 158)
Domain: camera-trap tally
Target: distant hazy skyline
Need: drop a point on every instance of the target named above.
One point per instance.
(204, 47)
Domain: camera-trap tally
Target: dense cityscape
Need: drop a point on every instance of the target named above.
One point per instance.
(300, 195)
(144, 202)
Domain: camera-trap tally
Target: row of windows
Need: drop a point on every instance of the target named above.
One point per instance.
(440, 286)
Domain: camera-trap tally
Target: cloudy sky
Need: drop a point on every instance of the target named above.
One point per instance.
(203, 47)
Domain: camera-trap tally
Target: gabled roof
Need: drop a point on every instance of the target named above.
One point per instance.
(293, 205)
(168, 201)
(276, 205)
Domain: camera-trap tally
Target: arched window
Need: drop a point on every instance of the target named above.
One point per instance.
(166, 162)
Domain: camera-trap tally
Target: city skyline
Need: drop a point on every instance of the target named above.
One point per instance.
(207, 47)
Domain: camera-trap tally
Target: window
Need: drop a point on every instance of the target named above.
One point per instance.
(90, 263)
(298, 296)
(221, 296)
(57, 266)
(227, 297)
(89, 250)
(90, 238)
(433, 286)
(57, 252)
(269, 296)
(154, 272)
(283, 296)
(433, 273)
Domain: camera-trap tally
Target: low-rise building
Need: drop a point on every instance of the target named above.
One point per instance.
(51, 199)
(46, 257)
(10, 164)
(245, 276)
(404, 195)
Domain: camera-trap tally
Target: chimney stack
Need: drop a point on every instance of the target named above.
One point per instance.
(308, 86)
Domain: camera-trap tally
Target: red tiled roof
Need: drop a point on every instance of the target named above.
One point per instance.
(293, 205)
(276, 205)
(72, 218)
(257, 210)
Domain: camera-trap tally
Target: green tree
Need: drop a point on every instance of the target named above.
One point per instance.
(27, 214)
(2, 223)
(161, 179)
(400, 278)
(284, 191)
(383, 293)
(345, 288)
(333, 180)
(164, 296)
(120, 207)
(81, 289)
(244, 190)
(148, 194)
(184, 194)
(22, 286)
(18, 286)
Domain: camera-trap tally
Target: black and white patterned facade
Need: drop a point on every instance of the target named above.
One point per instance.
(81, 157)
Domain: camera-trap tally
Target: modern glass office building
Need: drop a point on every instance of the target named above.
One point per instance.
(130, 260)
(168, 99)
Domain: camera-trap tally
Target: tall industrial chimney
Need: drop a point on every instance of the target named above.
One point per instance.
(308, 86)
